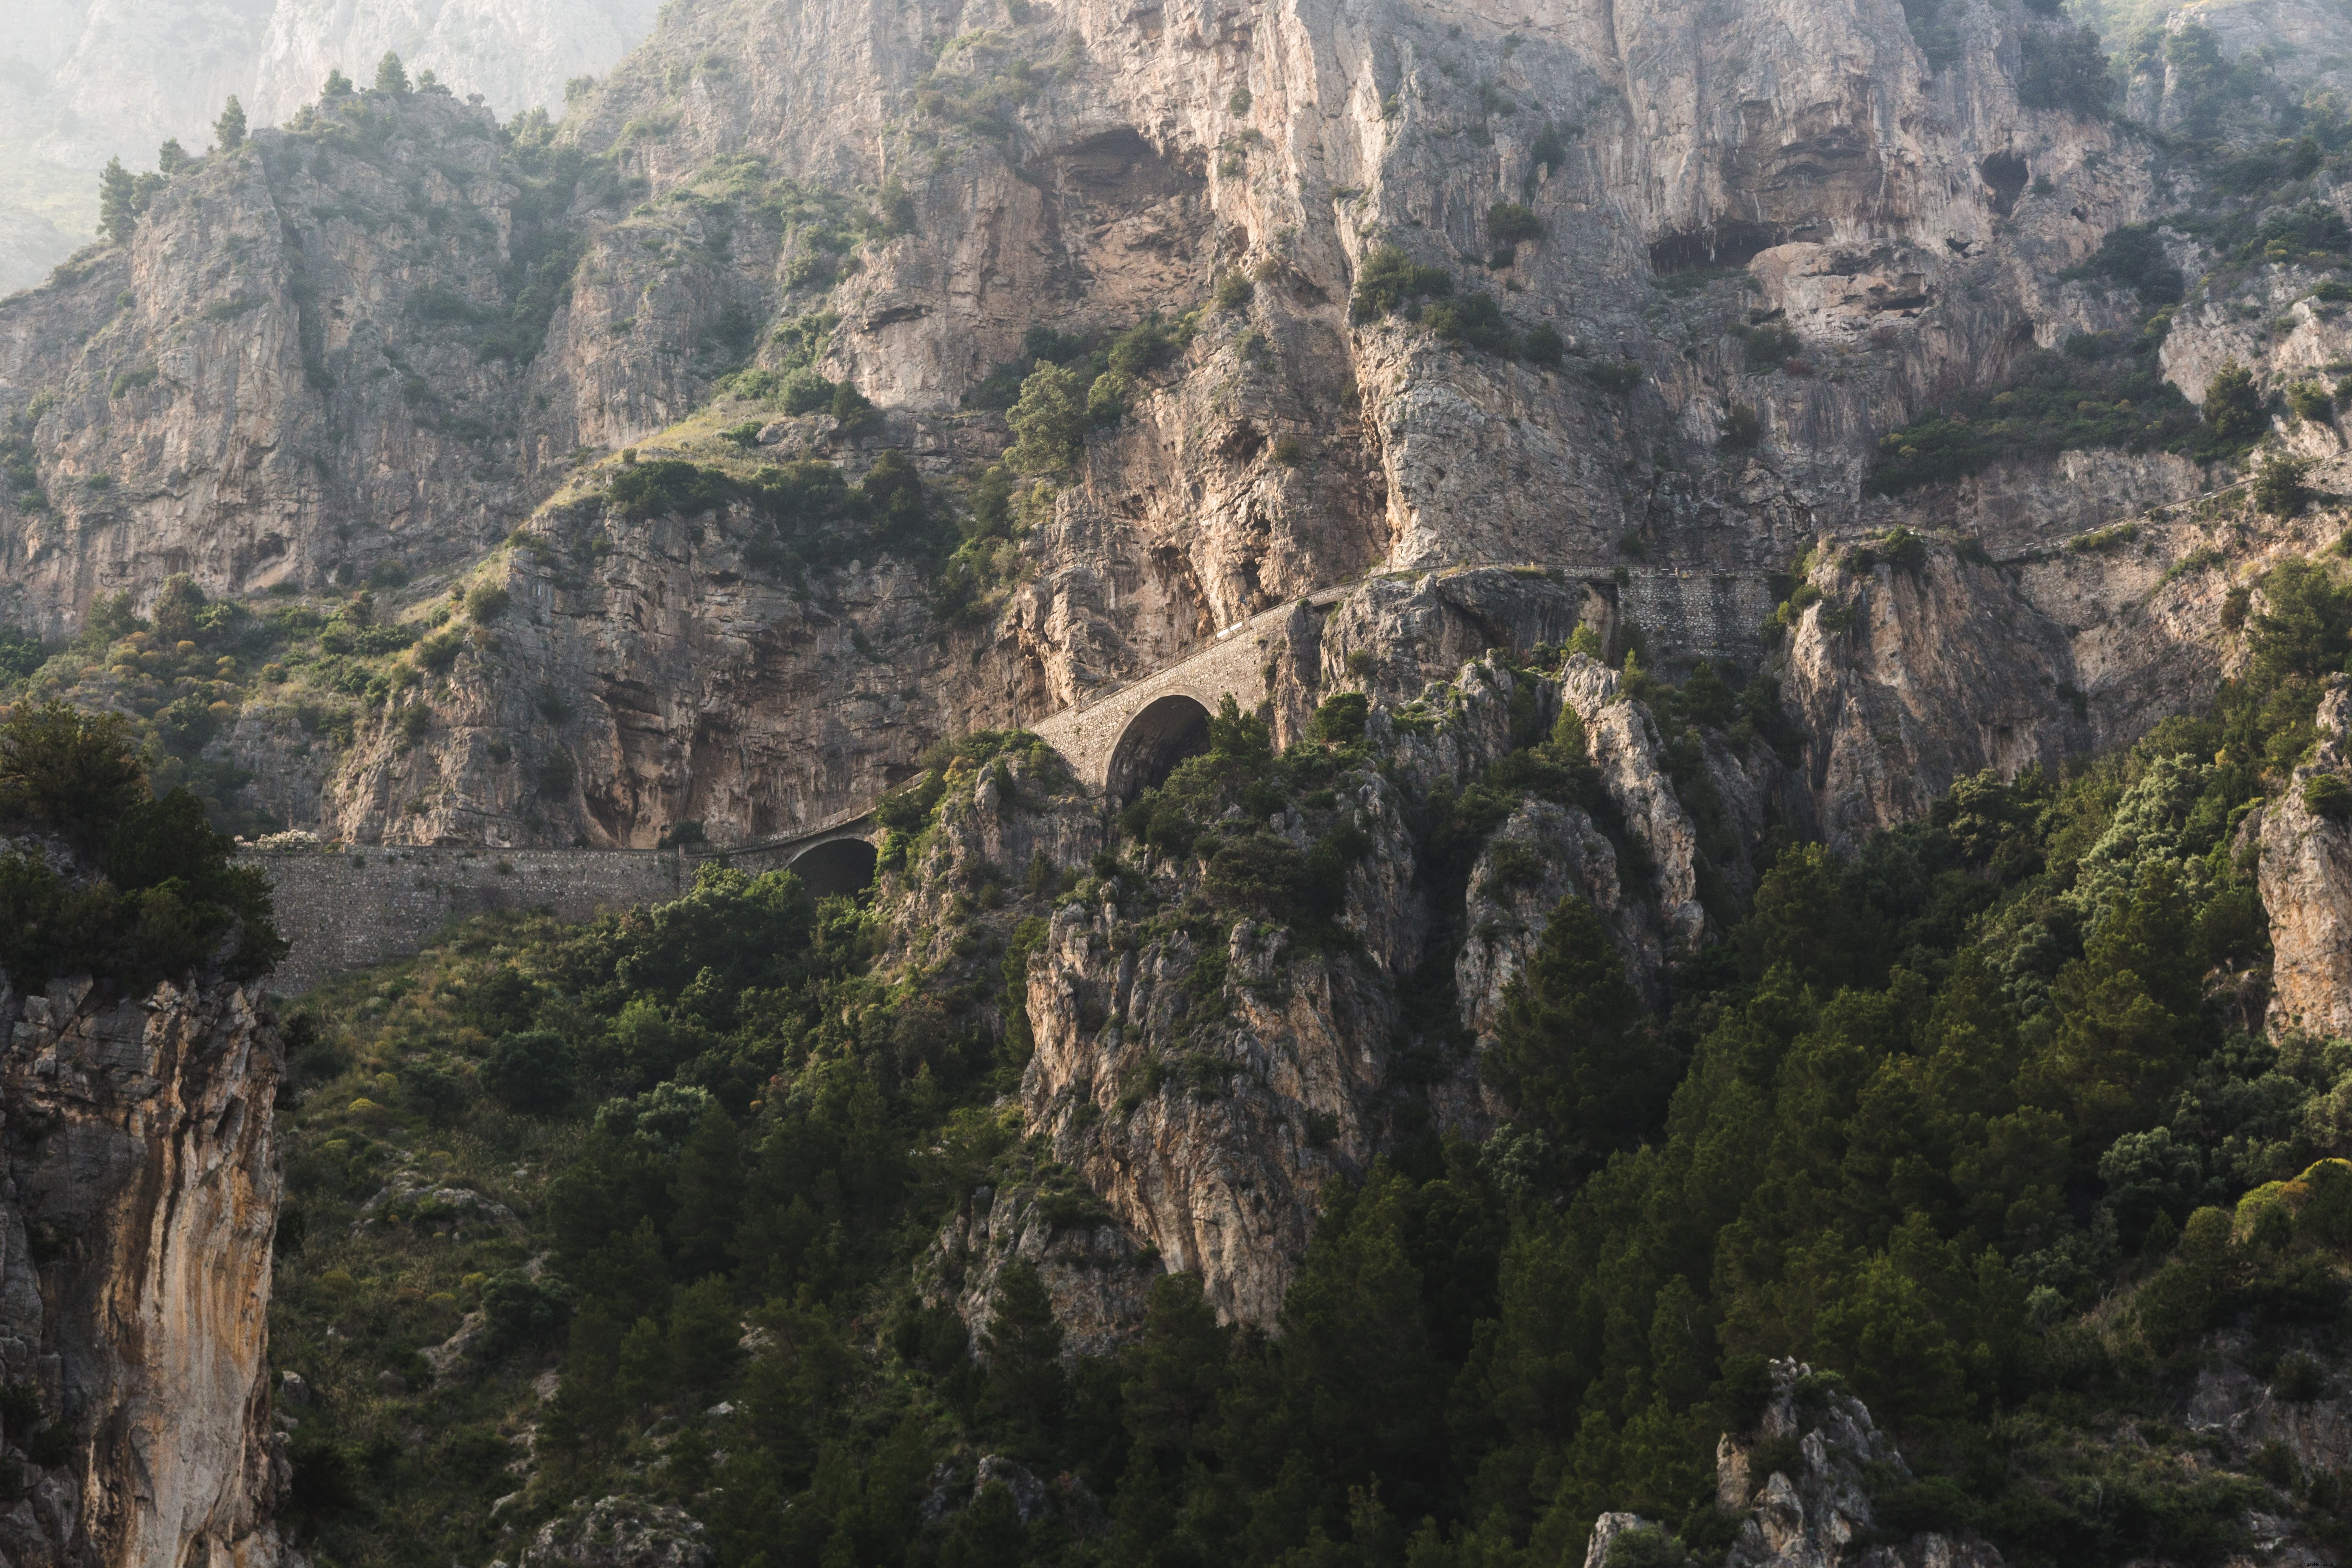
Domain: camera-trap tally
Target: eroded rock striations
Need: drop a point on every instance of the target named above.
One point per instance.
(137, 1220)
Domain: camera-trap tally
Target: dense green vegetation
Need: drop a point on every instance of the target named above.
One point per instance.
(1973, 1119)
(111, 880)
(806, 515)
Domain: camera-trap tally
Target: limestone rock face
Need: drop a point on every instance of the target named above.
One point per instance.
(620, 1532)
(2306, 883)
(1543, 854)
(1094, 1275)
(136, 1223)
(1208, 1074)
(1212, 1113)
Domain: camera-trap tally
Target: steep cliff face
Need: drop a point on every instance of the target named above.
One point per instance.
(2306, 881)
(141, 1203)
(1209, 1071)
(364, 348)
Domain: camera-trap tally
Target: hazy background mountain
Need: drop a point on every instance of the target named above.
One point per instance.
(85, 80)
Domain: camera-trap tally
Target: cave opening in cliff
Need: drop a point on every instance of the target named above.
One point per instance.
(1154, 741)
(844, 866)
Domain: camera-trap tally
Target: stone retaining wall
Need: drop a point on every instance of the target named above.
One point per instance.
(348, 909)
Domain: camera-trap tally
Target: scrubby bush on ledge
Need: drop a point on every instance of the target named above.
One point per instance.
(168, 901)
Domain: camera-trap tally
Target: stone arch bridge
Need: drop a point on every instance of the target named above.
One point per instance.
(353, 907)
(1135, 733)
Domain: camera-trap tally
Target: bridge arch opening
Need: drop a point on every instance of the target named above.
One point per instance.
(837, 865)
(1166, 732)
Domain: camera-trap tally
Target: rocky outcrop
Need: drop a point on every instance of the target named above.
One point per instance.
(137, 1222)
(1207, 1074)
(1545, 853)
(1816, 1512)
(1208, 1089)
(620, 1532)
(1096, 1279)
(84, 81)
(2306, 881)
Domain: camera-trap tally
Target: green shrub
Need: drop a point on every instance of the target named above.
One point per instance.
(2328, 796)
(1618, 376)
(2134, 256)
(2063, 67)
(1770, 347)
(73, 771)
(531, 1070)
(1509, 223)
(1473, 321)
(1742, 428)
(1339, 720)
(1049, 424)
(670, 486)
(1392, 281)
(2279, 488)
(2233, 409)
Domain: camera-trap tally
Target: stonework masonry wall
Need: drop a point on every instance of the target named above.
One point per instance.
(348, 909)
(349, 906)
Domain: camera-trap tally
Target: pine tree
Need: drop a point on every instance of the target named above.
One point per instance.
(390, 76)
(1025, 1382)
(170, 158)
(2234, 408)
(1573, 1059)
(708, 1191)
(116, 202)
(229, 129)
(337, 86)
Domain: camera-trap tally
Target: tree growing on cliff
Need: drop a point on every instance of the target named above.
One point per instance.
(390, 76)
(228, 131)
(1049, 423)
(2279, 488)
(171, 157)
(1572, 1057)
(117, 192)
(2234, 408)
(2063, 69)
(337, 86)
(77, 772)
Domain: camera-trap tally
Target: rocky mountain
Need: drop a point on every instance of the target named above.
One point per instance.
(85, 80)
(144, 1200)
(1753, 267)
(1669, 436)
(138, 1218)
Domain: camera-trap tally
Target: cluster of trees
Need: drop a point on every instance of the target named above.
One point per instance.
(1392, 282)
(124, 197)
(141, 888)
